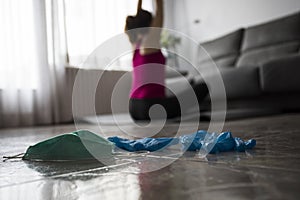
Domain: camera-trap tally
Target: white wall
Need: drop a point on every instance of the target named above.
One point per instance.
(218, 17)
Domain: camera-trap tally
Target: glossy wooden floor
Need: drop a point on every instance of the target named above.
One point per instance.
(270, 171)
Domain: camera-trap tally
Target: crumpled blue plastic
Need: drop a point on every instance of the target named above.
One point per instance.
(210, 142)
(145, 144)
(215, 143)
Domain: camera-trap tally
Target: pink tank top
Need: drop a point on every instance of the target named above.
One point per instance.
(148, 79)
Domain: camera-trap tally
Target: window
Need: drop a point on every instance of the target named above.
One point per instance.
(90, 22)
(18, 67)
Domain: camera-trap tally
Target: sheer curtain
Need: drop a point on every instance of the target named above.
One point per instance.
(31, 63)
(37, 39)
(90, 22)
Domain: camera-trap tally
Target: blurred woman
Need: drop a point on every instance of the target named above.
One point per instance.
(148, 85)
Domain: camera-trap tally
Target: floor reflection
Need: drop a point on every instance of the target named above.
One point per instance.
(270, 171)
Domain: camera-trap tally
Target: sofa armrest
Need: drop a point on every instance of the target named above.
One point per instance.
(281, 75)
(173, 73)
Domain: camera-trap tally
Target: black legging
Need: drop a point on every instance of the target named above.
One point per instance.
(139, 108)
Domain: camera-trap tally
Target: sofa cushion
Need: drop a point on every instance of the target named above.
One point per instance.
(278, 31)
(176, 85)
(241, 82)
(226, 61)
(224, 50)
(281, 75)
(238, 82)
(258, 56)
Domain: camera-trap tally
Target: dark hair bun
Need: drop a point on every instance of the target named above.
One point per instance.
(131, 22)
(141, 20)
(144, 18)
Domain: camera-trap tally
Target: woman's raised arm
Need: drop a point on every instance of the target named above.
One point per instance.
(139, 6)
(159, 14)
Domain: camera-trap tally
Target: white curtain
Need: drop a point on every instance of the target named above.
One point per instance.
(90, 22)
(37, 39)
(32, 60)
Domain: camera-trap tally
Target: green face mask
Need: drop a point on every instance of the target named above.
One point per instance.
(75, 146)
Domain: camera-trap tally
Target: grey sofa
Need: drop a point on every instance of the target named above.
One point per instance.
(260, 65)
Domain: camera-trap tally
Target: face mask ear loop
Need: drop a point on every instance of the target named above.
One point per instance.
(20, 155)
(136, 153)
(124, 155)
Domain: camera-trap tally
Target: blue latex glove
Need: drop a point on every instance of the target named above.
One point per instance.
(145, 144)
(214, 143)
